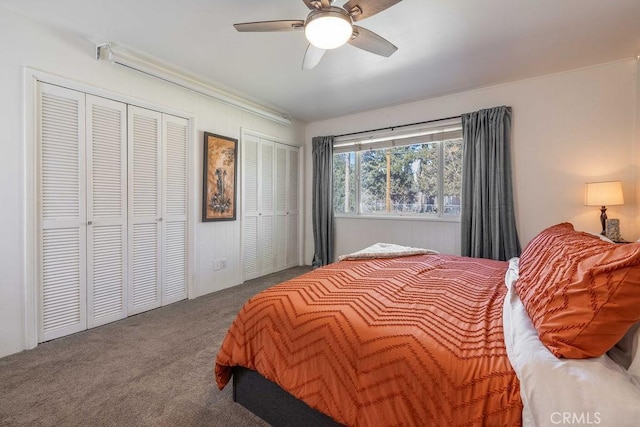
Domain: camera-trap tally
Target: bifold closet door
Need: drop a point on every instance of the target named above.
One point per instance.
(174, 224)
(145, 196)
(83, 207)
(280, 242)
(270, 212)
(258, 226)
(293, 207)
(286, 199)
(157, 209)
(106, 210)
(266, 216)
(113, 213)
(61, 206)
(250, 206)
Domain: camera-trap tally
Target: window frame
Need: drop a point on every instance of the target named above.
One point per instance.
(439, 133)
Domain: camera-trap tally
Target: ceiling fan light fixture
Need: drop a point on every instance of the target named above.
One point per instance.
(329, 28)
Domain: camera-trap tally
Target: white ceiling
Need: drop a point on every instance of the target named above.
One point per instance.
(444, 46)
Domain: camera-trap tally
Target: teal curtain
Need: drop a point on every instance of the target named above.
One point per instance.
(322, 201)
(488, 217)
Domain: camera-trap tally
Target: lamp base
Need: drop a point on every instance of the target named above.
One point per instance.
(603, 219)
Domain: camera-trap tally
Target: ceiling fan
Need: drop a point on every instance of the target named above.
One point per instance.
(329, 27)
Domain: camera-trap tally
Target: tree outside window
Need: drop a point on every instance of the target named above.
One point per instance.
(407, 180)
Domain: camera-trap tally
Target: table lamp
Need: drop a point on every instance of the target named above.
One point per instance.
(603, 194)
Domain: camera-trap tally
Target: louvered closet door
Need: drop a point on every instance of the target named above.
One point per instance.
(144, 254)
(106, 210)
(62, 194)
(174, 224)
(270, 216)
(266, 229)
(250, 204)
(293, 207)
(281, 184)
(286, 212)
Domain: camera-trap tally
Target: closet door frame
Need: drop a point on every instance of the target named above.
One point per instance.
(32, 78)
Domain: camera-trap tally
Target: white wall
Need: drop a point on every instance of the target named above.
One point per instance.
(24, 43)
(568, 129)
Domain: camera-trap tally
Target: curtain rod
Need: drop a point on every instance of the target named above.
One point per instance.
(398, 126)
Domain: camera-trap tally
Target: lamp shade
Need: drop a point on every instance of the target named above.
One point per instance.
(328, 29)
(603, 193)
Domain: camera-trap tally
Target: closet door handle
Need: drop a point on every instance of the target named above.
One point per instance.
(89, 222)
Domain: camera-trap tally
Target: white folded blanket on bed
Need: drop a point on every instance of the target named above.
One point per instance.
(385, 250)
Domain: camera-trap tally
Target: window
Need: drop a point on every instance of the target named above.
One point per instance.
(414, 173)
(344, 182)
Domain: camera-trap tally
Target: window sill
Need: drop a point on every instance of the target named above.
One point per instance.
(400, 217)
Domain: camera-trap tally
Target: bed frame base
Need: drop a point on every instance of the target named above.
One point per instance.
(274, 405)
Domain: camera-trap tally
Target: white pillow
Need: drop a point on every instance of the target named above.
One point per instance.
(626, 352)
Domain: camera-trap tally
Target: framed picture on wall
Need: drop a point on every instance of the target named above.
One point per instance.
(219, 178)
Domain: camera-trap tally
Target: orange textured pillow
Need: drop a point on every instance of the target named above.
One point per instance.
(581, 293)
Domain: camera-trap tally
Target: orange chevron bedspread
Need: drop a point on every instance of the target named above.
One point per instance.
(414, 340)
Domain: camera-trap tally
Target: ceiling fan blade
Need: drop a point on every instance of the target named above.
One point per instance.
(361, 9)
(312, 56)
(371, 42)
(287, 25)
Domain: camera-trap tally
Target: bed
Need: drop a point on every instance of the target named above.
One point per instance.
(427, 339)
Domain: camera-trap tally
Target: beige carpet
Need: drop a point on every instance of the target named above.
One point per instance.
(153, 369)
